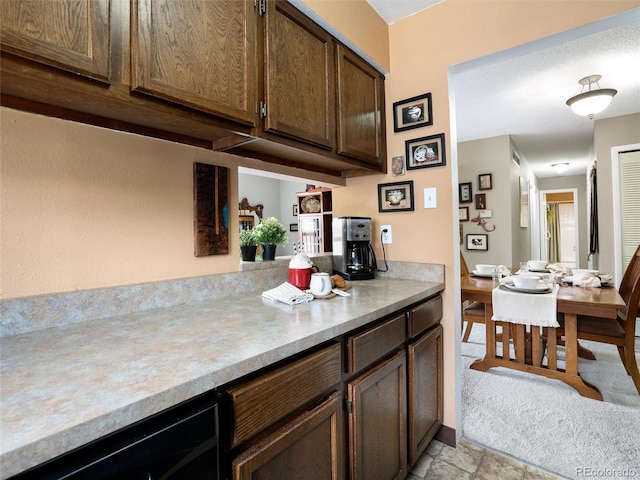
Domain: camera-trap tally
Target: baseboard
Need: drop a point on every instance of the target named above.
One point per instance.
(446, 435)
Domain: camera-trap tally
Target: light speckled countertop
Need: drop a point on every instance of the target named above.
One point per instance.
(62, 387)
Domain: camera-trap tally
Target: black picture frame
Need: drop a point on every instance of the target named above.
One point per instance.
(485, 181)
(465, 192)
(295, 210)
(477, 241)
(293, 227)
(396, 197)
(425, 152)
(481, 201)
(414, 112)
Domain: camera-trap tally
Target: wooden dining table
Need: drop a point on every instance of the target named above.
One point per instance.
(531, 342)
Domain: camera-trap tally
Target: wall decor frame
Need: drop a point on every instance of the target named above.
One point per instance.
(477, 241)
(485, 181)
(465, 192)
(524, 203)
(481, 201)
(395, 197)
(397, 166)
(425, 152)
(210, 210)
(463, 214)
(295, 210)
(293, 227)
(414, 112)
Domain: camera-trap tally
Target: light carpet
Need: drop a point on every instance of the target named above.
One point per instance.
(546, 423)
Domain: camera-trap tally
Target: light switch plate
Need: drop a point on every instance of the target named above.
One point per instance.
(485, 213)
(430, 200)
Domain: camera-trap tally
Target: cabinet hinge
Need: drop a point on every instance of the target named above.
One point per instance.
(263, 110)
(348, 405)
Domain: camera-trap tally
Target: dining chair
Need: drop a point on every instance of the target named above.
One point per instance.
(473, 312)
(621, 330)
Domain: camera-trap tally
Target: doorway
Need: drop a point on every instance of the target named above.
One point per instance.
(559, 226)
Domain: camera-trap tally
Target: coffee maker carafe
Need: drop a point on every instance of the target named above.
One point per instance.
(353, 255)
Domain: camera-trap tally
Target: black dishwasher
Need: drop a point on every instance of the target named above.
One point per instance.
(180, 443)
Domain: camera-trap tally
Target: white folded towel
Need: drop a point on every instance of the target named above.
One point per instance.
(504, 271)
(526, 308)
(588, 280)
(557, 268)
(287, 293)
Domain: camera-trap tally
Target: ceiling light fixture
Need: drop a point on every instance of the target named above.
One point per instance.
(591, 102)
(559, 167)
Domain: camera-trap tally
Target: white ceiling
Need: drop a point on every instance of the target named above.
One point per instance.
(522, 91)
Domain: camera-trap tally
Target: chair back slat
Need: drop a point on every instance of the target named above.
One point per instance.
(464, 269)
(630, 278)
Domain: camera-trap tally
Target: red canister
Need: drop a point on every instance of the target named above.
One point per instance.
(301, 277)
(300, 270)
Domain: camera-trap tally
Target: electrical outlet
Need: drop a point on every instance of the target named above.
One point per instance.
(386, 236)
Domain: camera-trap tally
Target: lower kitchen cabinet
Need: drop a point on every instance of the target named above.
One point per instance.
(377, 421)
(363, 407)
(310, 447)
(424, 369)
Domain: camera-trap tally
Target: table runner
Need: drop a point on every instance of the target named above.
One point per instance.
(526, 308)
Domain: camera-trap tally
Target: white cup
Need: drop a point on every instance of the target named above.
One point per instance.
(320, 284)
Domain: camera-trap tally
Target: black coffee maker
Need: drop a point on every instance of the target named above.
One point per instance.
(353, 256)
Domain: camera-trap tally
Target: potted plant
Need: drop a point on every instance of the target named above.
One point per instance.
(248, 245)
(269, 233)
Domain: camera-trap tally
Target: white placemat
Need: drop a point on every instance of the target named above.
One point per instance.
(526, 308)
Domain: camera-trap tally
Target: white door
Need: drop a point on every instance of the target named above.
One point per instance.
(569, 222)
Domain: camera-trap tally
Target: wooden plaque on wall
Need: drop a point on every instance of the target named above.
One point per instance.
(210, 209)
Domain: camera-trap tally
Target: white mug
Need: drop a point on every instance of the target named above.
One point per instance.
(320, 284)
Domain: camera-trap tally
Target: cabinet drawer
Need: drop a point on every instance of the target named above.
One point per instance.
(261, 402)
(424, 316)
(368, 346)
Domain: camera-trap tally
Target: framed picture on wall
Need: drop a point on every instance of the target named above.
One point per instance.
(463, 214)
(425, 152)
(465, 193)
(395, 197)
(477, 241)
(485, 182)
(481, 201)
(411, 113)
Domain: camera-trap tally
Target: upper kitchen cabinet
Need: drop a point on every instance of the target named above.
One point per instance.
(361, 123)
(299, 88)
(72, 35)
(200, 54)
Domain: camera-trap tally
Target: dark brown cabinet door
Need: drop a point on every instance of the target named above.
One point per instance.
(69, 34)
(197, 53)
(377, 422)
(310, 447)
(360, 116)
(425, 391)
(299, 77)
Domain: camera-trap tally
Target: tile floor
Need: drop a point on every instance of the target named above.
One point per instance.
(471, 462)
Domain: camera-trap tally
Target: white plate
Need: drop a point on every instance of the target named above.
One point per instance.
(478, 274)
(539, 271)
(538, 289)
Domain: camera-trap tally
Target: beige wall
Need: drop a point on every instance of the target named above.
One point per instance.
(84, 208)
(488, 155)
